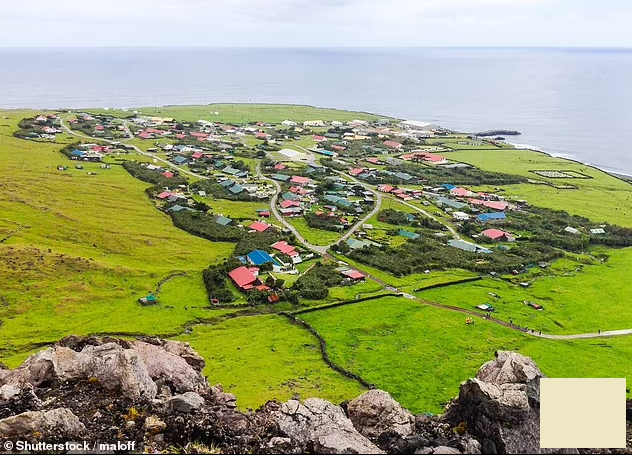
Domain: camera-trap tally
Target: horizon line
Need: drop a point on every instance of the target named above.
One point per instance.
(194, 46)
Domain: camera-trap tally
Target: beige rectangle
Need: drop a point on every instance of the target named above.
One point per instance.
(582, 413)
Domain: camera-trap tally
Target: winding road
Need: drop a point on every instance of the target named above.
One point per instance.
(322, 250)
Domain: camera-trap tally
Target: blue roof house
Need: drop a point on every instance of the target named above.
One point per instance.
(259, 257)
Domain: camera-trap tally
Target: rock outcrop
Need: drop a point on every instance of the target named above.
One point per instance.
(152, 392)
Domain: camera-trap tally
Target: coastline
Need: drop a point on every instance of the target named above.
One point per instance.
(627, 178)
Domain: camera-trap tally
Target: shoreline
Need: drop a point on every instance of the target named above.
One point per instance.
(627, 178)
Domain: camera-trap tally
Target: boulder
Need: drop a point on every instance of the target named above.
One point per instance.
(187, 402)
(501, 406)
(8, 391)
(59, 422)
(375, 413)
(131, 367)
(443, 450)
(322, 427)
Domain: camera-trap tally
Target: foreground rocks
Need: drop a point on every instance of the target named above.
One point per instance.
(152, 392)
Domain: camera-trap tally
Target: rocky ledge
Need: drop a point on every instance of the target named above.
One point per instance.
(152, 392)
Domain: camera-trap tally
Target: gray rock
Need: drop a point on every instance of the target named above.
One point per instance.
(424, 451)
(8, 391)
(133, 368)
(471, 446)
(187, 402)
(322, 426)
(61, 421)
(501, 405)
(376, 412)
(443, 450)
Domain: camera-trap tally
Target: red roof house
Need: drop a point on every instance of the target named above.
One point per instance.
(164, 195)
(340, 148)
(265, 214)
(180, 136)
(385, 188)
(461, 192)
(496, 205)
(260, 135)
(259, 226)
(393, 144)
(197, 155)
(298, 190)
(168, 174)
(353, 274)
(297, 179)
(319, 138)
(287, 204)
(373, 160)
(243, 277)
(285, 248)
(497, 235)
(356, 171)
(279, 166)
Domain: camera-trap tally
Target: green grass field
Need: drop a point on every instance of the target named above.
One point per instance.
(312, 235)
(581, 302)
(603, 197)
(93, 246)
(244, 113)
(421, 354)
(265, 358)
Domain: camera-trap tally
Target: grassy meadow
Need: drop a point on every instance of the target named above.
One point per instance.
(265, 358)
(244, 113)
(93, 245)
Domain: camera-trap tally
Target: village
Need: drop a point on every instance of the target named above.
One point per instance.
(302, 193)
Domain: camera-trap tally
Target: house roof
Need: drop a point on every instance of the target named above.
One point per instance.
(492, 216)
(236, 189)
(259, 257)
(289, 203)
(494, 233)
(242, 277)
(408, 234)
(392, 144)
(197, 155)
(179, 159)
(164, 195)
(300, 180)
(280, 177)
(168, 174)
(259, 226)
(224, 221)
(285, 248)
(385, 188)
(356, 171)
(353, 274)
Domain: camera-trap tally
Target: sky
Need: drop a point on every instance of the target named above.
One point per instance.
(316, 23)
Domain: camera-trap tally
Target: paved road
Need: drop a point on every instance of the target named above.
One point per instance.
(323, 249)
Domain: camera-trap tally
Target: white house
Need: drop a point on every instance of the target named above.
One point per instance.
(460, 216)
(317, 123)
(288, 123)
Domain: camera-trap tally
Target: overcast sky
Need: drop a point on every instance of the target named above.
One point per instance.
(326, 23)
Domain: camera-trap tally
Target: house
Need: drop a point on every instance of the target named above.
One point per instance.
(316, 123)
(460, 216)
(393, 145)
(318, 138)
(285, 248)
(179, 160)
(385, 188)
(356, 244)
(259, 257)
(353, 275)
(460, 192)
(465, 246)
(279, 166)
(167, 174)
(222, 220)
(280, 177)
(287, 196)
(598, 231)
(164, 195)
(408, 234)
(236, 189)
(288, 123)
(177, 208)
(404, 176)
(227, 183)
(197, 155)
(571, 230)
(441, 201)
(373, 160)
(491, 217)
(357, 171)
(259, 226)
(260, 135)
(298, 180)
(243, 278)
(289, 203)
(498, 235)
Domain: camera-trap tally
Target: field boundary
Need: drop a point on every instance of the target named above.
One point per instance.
(323, 350)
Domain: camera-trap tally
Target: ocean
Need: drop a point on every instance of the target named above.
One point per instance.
(574, 103)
